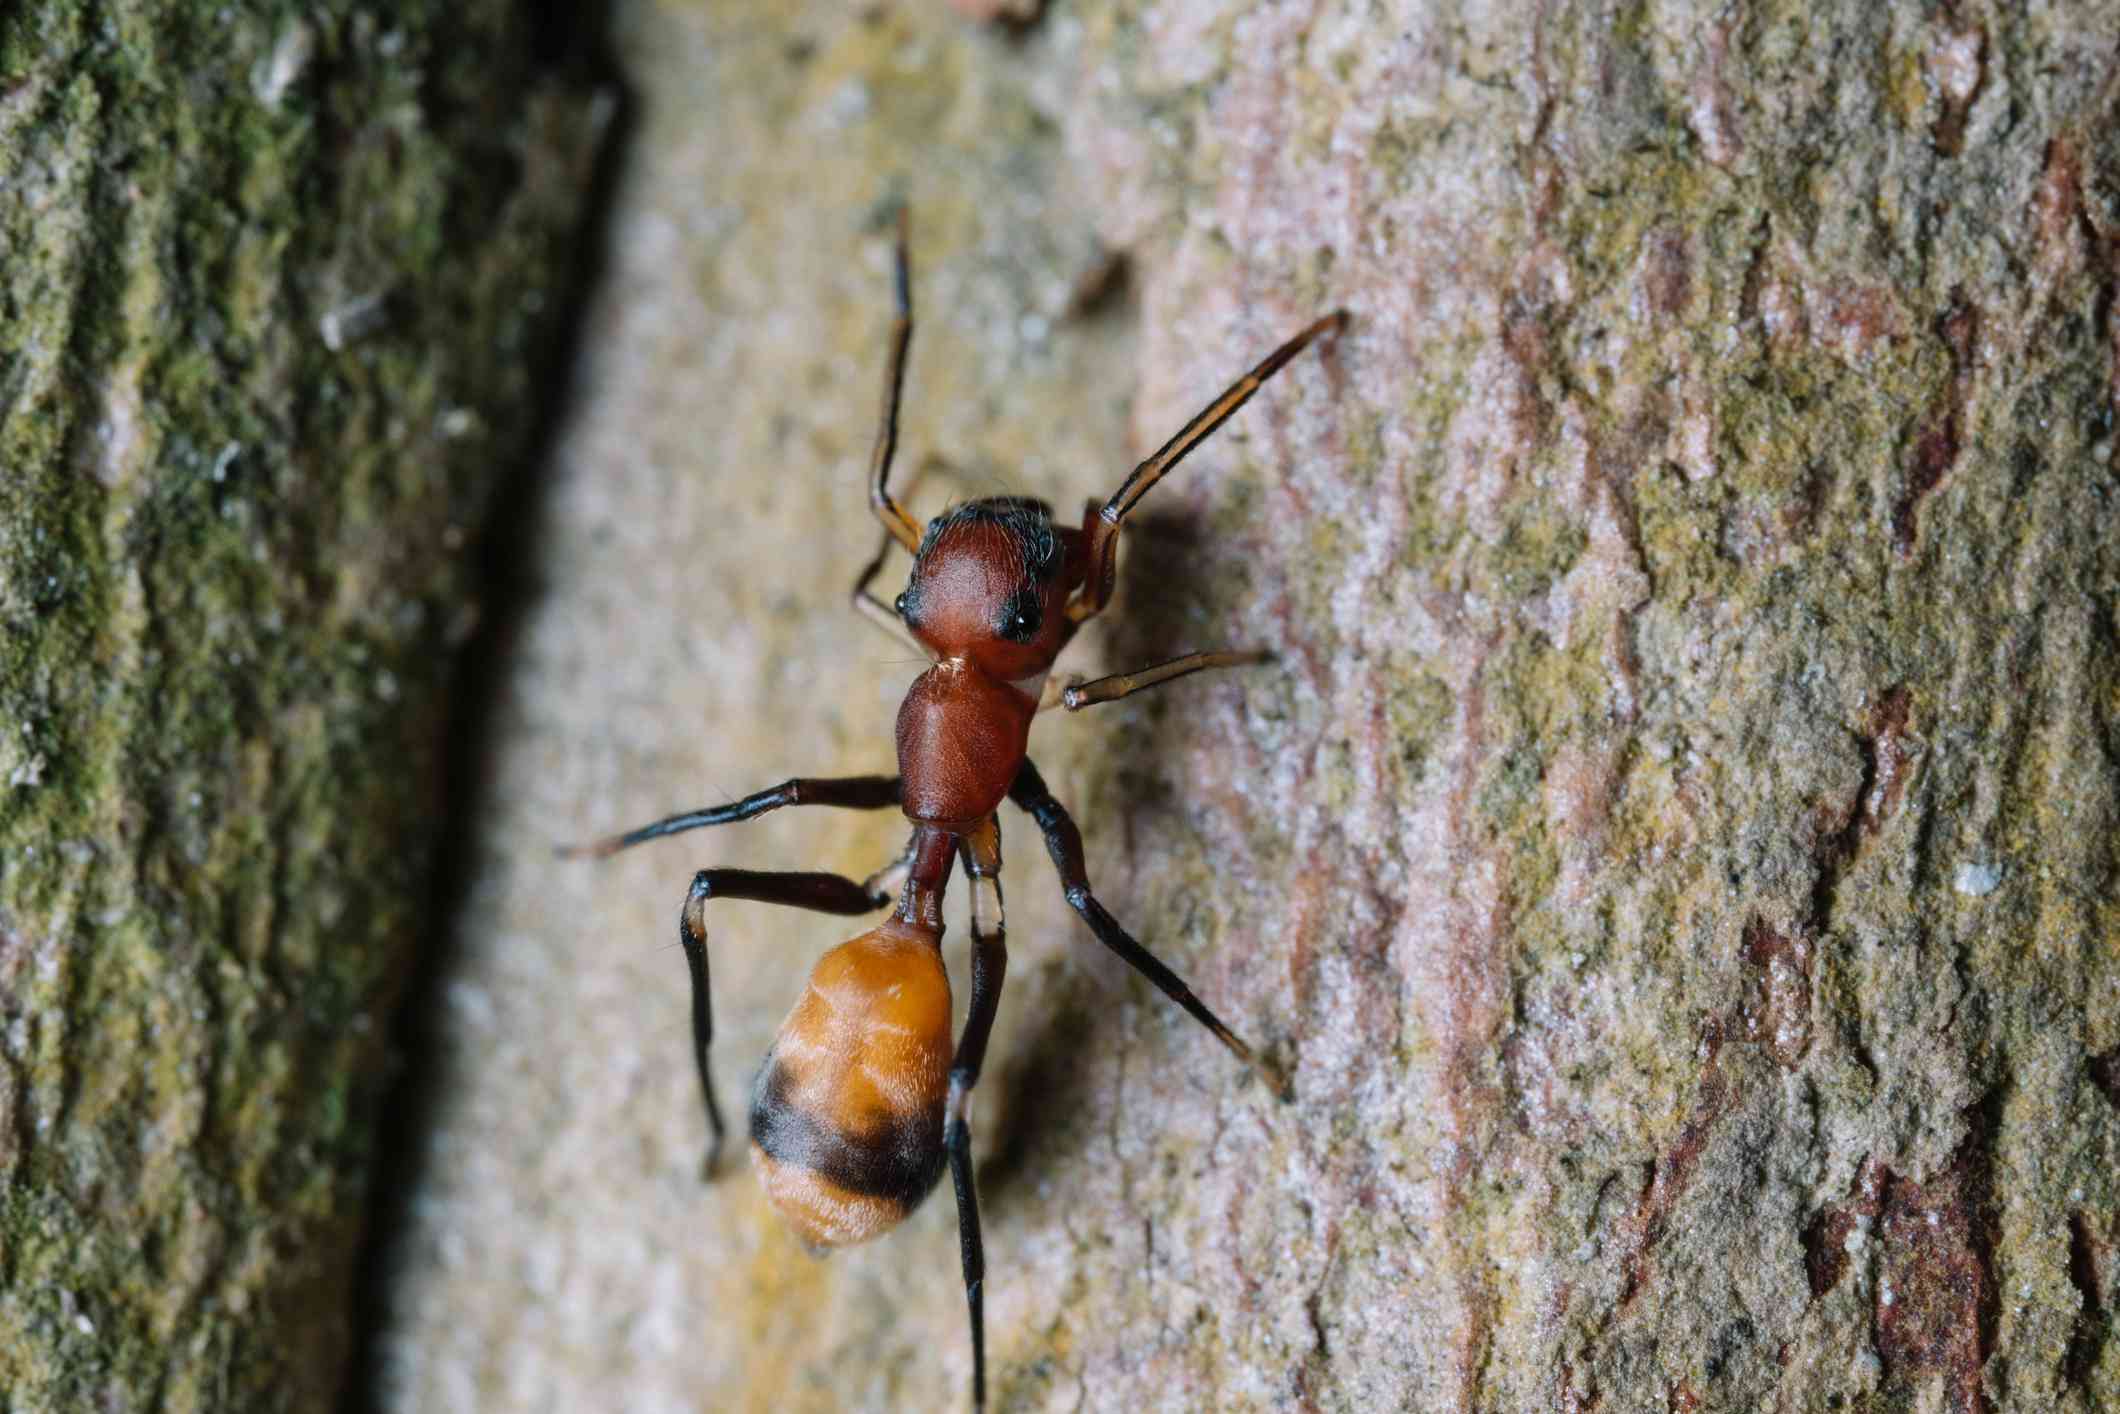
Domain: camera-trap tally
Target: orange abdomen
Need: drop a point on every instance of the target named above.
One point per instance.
(846, 1114)
(961, 736)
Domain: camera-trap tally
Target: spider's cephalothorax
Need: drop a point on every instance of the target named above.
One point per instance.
(862, 1098)
(990, 583)
(988, 598)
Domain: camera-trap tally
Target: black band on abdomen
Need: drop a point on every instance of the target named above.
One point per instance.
(899, 1161)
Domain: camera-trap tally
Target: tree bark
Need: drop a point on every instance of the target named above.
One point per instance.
(1674, 849)
(276, 287)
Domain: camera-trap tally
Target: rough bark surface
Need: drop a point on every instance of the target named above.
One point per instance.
(275, 282)
(1675, 848)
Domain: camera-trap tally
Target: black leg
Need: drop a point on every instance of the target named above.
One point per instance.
(821, 893)
(981, 850)
(1064, 843)
(847, 792)
(974, 1255)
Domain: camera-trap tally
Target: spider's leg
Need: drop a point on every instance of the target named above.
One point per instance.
(865, 600)
(981, 850)
(1064, 843)
(900, 525)
(846, 792)
(1077, 695)
(821, 893)
(1103, 528)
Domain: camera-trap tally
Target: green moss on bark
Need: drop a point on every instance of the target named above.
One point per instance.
(273, 279)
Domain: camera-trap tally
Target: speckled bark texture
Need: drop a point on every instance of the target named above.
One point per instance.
(1675, 846)
(275, 282)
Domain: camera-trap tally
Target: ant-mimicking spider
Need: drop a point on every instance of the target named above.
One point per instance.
(862, 1097)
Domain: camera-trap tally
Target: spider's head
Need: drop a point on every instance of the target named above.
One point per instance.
(990, 584)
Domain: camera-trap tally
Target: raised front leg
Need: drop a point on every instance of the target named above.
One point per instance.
(1102, 529)
(1064, 843)
(820, 893)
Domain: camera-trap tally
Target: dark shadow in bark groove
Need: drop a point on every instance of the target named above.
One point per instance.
(572, 45)
(1163, 610)
(1045, 1101)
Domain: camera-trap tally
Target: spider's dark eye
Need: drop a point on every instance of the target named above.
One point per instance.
(904, 605)
(1021, 617)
